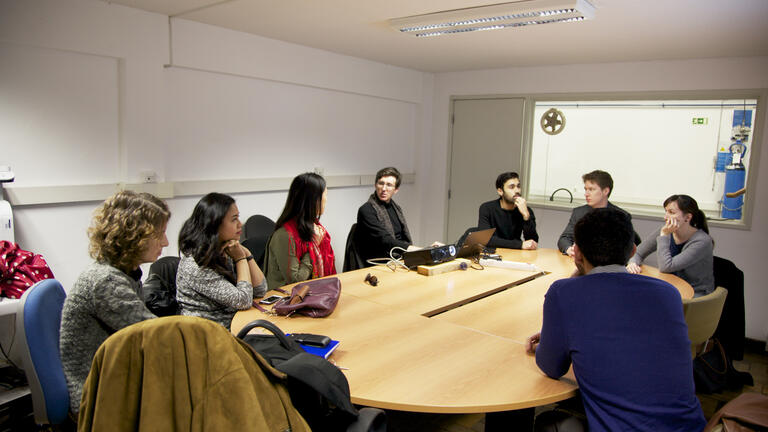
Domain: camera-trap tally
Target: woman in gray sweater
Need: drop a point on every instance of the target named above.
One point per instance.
(683, 245)
(127, 230)
(217, 276)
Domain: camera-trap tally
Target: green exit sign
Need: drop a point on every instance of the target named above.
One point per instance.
(700, 120)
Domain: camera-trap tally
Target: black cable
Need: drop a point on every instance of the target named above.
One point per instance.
(2, 350)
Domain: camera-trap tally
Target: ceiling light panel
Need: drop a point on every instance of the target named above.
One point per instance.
(494, 17)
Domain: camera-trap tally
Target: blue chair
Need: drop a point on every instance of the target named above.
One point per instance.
(38, 319)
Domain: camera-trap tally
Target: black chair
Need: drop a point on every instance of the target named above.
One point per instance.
(731, 328)
(160, 287)
(256, 233)
(352, 258)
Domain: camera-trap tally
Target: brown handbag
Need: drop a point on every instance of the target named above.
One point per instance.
(315, 298)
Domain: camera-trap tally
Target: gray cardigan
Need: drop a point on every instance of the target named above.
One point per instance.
(693, 264)
(102, 301)
(203, 292)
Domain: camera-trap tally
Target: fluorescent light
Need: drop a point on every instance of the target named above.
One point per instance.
(494, 17)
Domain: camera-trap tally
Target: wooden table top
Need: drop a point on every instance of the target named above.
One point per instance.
(468, 358)
(400, 360)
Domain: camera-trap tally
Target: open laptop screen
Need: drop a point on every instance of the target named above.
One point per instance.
(472, 241)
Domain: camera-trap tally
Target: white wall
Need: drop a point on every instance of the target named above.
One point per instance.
(152, 110)
(231, 106)
(745, 248)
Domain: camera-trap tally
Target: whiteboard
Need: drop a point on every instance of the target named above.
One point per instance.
(228, 126)
(58, 116)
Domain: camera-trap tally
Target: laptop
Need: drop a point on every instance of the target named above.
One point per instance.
(473, 241)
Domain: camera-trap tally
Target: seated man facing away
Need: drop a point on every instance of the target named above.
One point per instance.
(624, 334)
(598, 186)
(380, 221)
(510, 216)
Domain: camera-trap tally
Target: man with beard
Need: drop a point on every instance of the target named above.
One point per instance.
(510, 216)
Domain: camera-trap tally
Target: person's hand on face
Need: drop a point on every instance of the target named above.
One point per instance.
(521, 205)
(234, 249)
(670, 226)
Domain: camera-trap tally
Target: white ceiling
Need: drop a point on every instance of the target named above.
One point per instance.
(623, 30)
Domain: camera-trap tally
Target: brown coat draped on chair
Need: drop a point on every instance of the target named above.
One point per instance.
(183, 373)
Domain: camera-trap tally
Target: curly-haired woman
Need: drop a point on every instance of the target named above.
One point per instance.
(127, 230)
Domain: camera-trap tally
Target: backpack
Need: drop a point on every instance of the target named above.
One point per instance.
(318, 389)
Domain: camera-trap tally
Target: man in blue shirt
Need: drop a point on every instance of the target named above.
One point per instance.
(624, 334)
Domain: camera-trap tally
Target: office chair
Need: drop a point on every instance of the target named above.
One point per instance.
(160, 287)
(256, 233)
(702, 315)
(352, 259)
(38, 320)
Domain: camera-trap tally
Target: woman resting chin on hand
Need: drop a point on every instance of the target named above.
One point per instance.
(683, 245)
(217, 276)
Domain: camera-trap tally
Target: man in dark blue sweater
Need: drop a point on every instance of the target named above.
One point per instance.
(510, 216)
(624, 334)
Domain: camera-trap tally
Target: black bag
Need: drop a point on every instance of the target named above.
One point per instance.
(318, 389)
(713, 371)
(710, 369)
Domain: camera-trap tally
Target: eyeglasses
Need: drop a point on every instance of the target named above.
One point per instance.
(384, 185)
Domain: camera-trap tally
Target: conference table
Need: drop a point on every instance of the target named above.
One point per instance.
(447, 343)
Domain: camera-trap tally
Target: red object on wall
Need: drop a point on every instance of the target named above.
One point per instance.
(20, 269)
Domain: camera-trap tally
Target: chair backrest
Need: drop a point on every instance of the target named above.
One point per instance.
(160, 287)
(38, 319)
(702, 315)
(256, 233)
(352, 259)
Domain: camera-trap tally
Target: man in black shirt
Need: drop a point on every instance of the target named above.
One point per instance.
(380, 221)
(510, 216)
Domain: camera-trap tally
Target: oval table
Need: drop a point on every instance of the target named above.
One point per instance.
(449, 343)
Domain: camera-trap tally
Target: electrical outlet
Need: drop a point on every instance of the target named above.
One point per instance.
(148, 176)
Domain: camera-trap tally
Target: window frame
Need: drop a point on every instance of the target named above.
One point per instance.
(645, 211)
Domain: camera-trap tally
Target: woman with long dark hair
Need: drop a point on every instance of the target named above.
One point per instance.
(300, 247)
(683, 245)
(217, 276)
(127, 230)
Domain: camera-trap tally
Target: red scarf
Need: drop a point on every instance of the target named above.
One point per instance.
(321, 254)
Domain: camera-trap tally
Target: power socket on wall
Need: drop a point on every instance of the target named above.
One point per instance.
(148, 176)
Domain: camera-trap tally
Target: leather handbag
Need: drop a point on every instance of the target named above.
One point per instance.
(315, 298)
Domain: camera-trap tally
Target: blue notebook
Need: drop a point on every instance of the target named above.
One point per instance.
(321, 352)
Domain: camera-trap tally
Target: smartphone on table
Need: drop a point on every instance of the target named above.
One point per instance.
(271, 299)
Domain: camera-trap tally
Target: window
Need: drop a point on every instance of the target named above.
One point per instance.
(653, 148)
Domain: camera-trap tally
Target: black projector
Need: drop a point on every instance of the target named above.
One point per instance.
(429, 256)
